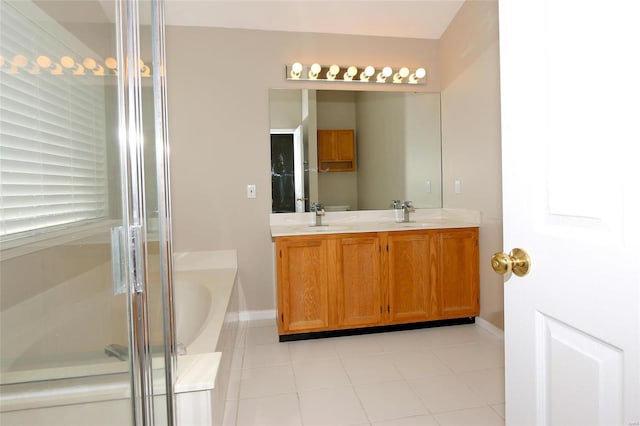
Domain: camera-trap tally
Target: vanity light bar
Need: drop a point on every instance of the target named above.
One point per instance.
(352, 73)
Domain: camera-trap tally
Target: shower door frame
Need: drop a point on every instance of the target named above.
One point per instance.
(134, 208)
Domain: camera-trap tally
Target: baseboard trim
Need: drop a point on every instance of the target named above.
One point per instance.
(375, 329)
(269, 314)
(490, 328)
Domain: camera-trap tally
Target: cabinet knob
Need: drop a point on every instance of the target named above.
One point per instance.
(517, 261)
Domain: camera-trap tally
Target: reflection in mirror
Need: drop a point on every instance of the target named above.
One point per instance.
(397, 148)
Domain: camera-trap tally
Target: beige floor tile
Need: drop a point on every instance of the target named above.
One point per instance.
(262, 335)
(417, 364)
(488, 384)
(445, 393)
(471, 356)
(456, 335)
(381, 379)
(401, 341)
(279, 410)
(427, 420)
(266, 355)
(483, 416)
(238, 358)
(358, 346)
(230, 413)
(267, 381)
(371, 369)
(306, 350)
(319, 374)
(262, 323)
(335, 407)
(498, 408)
(233, 391)
(391, 400)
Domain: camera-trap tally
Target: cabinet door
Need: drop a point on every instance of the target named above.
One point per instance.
(326, 145)
(344, 145)
(302, 284)
(458, 273)
(411, 276)
(359, 299)
(336, 150)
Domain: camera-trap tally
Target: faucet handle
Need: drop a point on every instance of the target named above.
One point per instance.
(396, 204)
(316, 207)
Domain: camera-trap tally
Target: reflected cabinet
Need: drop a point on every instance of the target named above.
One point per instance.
(336, 151)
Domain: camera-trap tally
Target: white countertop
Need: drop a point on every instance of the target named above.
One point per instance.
(291, 224)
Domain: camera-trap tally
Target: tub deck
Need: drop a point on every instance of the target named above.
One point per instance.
(202, 376)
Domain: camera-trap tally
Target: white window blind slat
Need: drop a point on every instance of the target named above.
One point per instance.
(52, 136)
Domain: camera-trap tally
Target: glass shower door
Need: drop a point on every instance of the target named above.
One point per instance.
(85, 300)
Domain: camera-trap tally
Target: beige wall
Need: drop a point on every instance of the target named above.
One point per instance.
(399, 149)
(471, 134)
(337, 110)
(218, 92)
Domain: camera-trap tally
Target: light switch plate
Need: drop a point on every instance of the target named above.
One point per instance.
(251, 191)
(457, 186)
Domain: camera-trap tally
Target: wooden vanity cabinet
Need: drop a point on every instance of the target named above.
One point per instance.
(348, 281)
(336, 151)
(458, 273)
(410, 276)
(303, 284)
(358, 285)
(328, 282)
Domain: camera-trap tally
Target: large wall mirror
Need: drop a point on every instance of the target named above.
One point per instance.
(397, 149)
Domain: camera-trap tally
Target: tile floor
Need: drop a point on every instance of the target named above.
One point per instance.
(438, 376)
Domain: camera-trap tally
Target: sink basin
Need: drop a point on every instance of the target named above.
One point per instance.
(326, 228)
(416, 224)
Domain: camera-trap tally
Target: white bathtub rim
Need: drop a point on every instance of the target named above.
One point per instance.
(196, 371)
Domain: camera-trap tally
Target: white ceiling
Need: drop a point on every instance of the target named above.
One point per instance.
(425, 19)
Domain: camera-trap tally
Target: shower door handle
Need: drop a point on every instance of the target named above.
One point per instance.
(118, 260)
(120, 240)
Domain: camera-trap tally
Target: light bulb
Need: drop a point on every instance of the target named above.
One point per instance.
(314, 71)
(111, 63)
(420, 73)
(44, 61)
(67, 62)
(350, 73)
(368, 72)
(296, 69)
(382, 75)
(89, 63)
(404, 72)
(333, 72)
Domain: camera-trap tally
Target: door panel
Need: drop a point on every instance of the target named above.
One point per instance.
(411, 274)
(304, 285)
(570, 171)
(458, 273)
(581, 379)
(359, 295)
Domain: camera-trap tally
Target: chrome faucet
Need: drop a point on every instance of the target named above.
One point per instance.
(319, 209)
(406, 209)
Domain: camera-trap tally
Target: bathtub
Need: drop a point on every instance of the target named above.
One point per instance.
(94, 390)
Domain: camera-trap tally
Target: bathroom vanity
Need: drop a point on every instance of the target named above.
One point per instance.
(363, 270)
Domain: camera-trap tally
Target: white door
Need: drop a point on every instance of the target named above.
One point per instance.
(570, 87)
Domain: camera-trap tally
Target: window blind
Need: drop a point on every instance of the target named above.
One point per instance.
(52, 134)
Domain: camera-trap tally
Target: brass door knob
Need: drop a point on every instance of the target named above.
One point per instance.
(517, 261)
